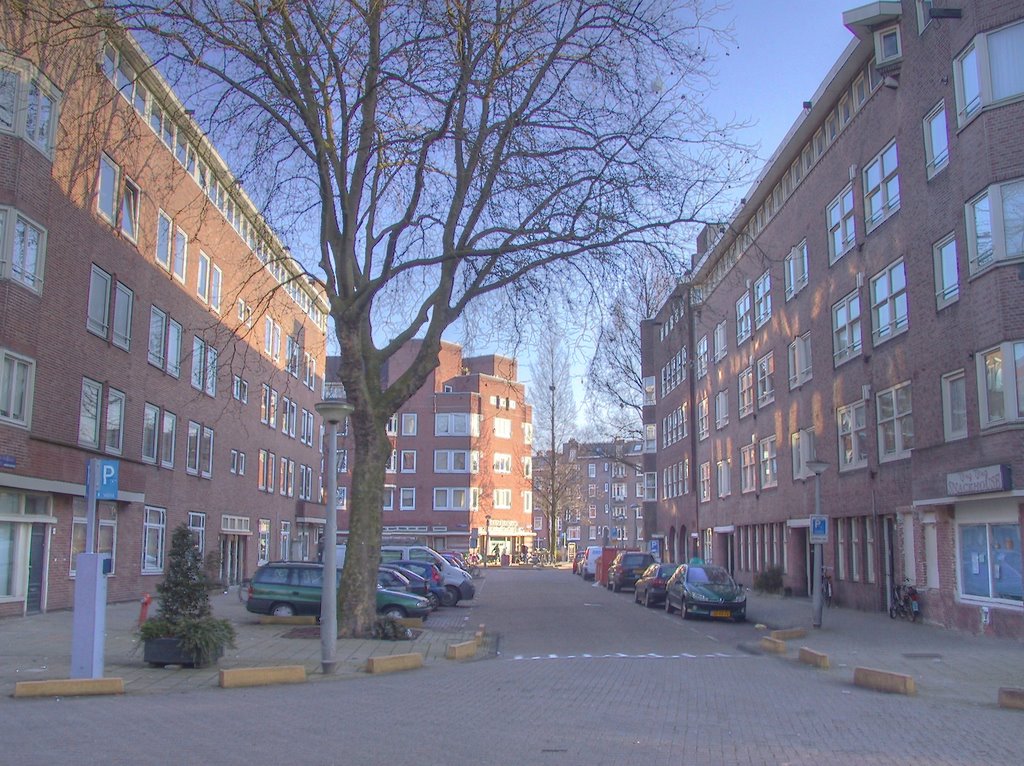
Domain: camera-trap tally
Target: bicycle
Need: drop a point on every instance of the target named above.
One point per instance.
(904, 602)
(826, 587)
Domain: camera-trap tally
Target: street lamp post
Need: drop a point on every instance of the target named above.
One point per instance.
(333, 412)
(487, 539)
(818, 467)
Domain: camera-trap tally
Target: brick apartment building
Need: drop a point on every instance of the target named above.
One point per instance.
(461, 464)
(864, 308)
(604, 505)
(147, 315)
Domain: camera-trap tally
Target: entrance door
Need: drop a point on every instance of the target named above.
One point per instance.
(232, 559)
(888, 556)
(36, 567)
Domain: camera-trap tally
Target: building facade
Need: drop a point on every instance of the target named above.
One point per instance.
(863, 309)
(460, 474)
(148, 316)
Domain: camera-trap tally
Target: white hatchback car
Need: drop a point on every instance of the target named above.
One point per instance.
(590, 559)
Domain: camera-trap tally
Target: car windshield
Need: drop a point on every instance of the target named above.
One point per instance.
(667, 570)
(713, 575)
(635, 560)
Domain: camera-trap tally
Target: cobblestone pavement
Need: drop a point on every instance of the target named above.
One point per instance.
(578, 675)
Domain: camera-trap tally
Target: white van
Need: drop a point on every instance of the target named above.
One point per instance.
(456, 580)
(590, 559)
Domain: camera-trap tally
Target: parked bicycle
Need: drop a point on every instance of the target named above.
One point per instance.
(826, 587)
(904, 602)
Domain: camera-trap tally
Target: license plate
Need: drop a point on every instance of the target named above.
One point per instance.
(721, 613)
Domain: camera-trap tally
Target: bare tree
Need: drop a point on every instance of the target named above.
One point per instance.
(441, 152)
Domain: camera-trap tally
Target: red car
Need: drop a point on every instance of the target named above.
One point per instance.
(577, 561)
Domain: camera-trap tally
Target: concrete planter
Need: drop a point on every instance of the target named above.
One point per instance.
(159, 652)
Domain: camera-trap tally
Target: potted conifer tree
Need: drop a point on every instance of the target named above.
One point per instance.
(184, 632)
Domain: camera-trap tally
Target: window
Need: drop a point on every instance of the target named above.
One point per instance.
(456, 424)
(701, 359)
(704, 487)
(113, 438)
(456, 461)
(292, 350)
(748, 468)
(703, 427)
(762, 299)
(1001, 384)
(954, 406)
(888, 48)
(502, 463)
(888, 303)
(408, 461)
(240, 389)
(881, 187)
(895, 423)
(106, 537)
(724, 479)
(106, 189)
(407, 499)
(841, 228)
(167, 437)
(743, 317)
(746, 392)
(164, 342)
(99, 302)
(995, 225)
(853, 436)
(721, 346)
(153, 531)
(40, 117)
(503, 428)
(22, 249)
(457, 498)
(990, 560)
(164, 229)
(192, 448)
(802, 444)
(800, 360)
(204, 367)
(766, 379)
(936, 140)
(923, 19)
(203, 277)
(17, 376)
(179, 259)
(409, 424)
(846, 340)
(989, 71)
(28, 104)
(89, 413)
(721, 409)
(947, 272)
(197, 526)
(769, 463)
(796, 270)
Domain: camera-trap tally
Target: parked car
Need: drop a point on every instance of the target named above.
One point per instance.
(626, 569)
(707, 590)
(577, 568)
(429, 572)
(590, 559)
(417, 584)
(289, 588)
(458, 581)
(650, 588)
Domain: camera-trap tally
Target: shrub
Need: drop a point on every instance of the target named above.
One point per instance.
(769, 581)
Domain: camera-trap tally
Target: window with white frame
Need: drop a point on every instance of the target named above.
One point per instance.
(1001, 384)
(881, 187)
(456, 498)
(703, 426)
(150, 432)
(846, 334)
(456, 424)
(98, 314)
(392, 465)
(853, 436)
(743, 327)
(746, 392)
(89, 413)
(989, 559)
(503, 498)
(721, 345)
(454, 461)
(650, 488)
(841, 228)
(113, 432)
(954, 405)
(800, 360)
(204, 366)
(502, 463)
(179, 254)
(192, 447)
(989, 71)
(722, 408)
(936, 140)
(802, 444)
(748, 468)
(22, 249)
(762, 299)
(29, 104)
(947, 272)
(888, 303)
(704, 485)
(154, 528)
(895, 422)
(503, 428)
(408, 461)
(923, 17)
(795, 267)
(888, 47)
(17, 381)
(168, 434)
(769, 464)
(106, 536)
(701, 358)
(203, 277)
(724, 478)
(240, 389)
(164, 237)
(995, 225)
(766, 379)
(408, 424)
(106, 189)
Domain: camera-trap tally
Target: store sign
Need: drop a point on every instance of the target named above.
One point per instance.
(992, 478)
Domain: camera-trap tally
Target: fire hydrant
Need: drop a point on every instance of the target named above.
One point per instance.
(144, 607)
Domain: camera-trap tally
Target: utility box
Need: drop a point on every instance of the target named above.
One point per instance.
(607, 557)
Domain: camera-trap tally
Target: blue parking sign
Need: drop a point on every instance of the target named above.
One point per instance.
(819, 529)
(106, 481)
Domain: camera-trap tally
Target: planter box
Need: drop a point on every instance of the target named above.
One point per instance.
(159, 652)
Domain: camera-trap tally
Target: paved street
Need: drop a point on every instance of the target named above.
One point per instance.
(578, 675)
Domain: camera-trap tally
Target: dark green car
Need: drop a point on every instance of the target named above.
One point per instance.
(706, 590)
(288, 588)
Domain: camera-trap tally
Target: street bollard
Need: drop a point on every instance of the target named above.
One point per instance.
(144, 608)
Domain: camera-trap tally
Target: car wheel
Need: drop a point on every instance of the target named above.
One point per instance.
(450, 596)
(282, 610)
(741, 616)
(668, 605)
(394, 612)
(435, 602)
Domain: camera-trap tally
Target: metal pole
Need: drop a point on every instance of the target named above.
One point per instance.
(553, 505)
(329, 592)
(816, 599)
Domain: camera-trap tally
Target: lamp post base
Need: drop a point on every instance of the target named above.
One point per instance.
(327, 667)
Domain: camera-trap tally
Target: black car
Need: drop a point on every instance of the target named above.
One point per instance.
(430, 573)
(417, 583)
(626, 569)
(650, 588)
(706, 590)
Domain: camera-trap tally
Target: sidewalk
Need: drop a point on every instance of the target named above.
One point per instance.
(942, 662)
(38, 648)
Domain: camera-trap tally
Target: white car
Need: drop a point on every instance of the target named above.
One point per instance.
(590, 559)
